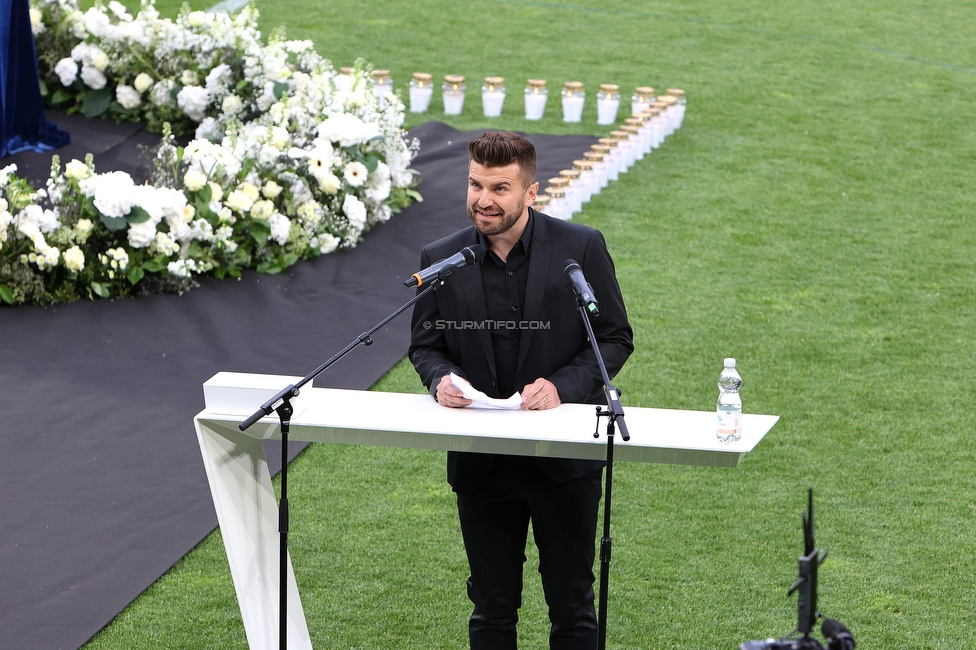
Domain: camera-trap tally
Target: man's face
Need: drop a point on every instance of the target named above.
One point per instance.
(497, 199)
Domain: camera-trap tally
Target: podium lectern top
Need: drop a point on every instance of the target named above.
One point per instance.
(416, 421)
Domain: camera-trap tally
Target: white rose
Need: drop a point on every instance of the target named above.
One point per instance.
(231, 104)
(193, 101)
(216, 191)
(93, 77)
(189, 78)
(143, 82)
(279, 137)
(238, 201)
(271, 190)
(98, 58)
(194, 180)
(74, 259)
(127, 96)
(355, 100)
(329, 183)
(250, 190)
(37, 20)
(262, 209)
(76, 170)
(83, 228)
(67, 71)
(197, 19)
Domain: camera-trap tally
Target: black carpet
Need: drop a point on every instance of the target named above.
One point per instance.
(103, 485)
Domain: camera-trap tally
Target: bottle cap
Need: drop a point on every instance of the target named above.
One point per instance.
(536, 83)
(729, 361)
(422, 77)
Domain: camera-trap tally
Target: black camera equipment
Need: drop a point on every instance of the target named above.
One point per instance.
(838, 637)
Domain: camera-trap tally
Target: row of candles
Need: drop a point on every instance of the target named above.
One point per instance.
(653, 118)
(640, 134)
(536, 95)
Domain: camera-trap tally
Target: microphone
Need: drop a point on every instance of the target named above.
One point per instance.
(465, 257)
(582, 288)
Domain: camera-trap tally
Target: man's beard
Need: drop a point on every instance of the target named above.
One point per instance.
(499, 225)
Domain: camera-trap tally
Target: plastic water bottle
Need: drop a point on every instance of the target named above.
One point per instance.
(729, 407)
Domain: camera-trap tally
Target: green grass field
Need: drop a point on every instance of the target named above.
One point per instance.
(813, 218)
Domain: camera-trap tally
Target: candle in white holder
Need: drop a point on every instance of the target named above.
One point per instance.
(557, 203)
(493, 96)
(453, 94)
(383, 85)
(421, 90)
(536, 95)
(682, 104)
(343, 81)
(595, 158)
(641, 101)
(586, 178)
(573, 98)
(607, 103)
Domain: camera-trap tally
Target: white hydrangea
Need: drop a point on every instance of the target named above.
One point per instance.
(325, 242)
(280, 228)
(67, 71)
(127, 96)
(112, 192)
(355, 211)
(347, 129)
(141, 235)
(193, 101)
(93, 77)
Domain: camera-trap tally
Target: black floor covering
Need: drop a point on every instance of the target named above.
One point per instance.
(103, 487)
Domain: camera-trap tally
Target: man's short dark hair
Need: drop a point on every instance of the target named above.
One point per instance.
(502, 148)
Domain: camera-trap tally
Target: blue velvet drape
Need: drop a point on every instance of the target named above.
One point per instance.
(23, 126)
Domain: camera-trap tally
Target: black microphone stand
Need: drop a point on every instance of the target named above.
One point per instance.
(615, 415)
(281, 404)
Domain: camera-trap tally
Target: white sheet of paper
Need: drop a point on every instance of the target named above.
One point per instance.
(480, 400)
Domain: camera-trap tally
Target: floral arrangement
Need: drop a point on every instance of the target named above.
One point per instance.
(288, 160)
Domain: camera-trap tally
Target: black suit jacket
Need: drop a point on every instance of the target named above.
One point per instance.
(556, 348)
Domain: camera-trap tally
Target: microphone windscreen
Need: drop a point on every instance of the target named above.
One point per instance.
(569, 266)
(832, 627)
(477, 253)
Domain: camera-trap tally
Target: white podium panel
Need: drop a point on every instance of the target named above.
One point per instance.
(244, 498)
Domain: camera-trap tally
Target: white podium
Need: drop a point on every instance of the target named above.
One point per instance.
(247, 509)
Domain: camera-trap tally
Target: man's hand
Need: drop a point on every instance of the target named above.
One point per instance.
(448, 395)
(540, 395)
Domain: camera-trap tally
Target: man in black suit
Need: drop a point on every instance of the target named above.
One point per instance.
(511, 324)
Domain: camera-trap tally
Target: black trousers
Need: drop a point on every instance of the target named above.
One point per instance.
(494, 524)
